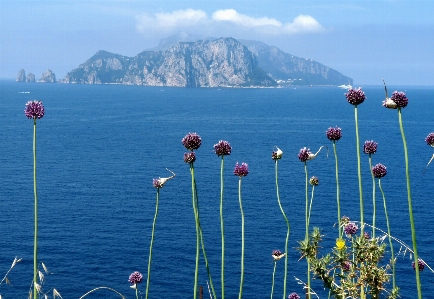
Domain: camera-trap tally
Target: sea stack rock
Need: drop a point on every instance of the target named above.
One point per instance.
(21, 77)
(48, 77)
(30, 77)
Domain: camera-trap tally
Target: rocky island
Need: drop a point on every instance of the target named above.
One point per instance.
(223, 62)
(47, 77)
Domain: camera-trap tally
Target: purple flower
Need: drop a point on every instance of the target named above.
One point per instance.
(379, 170)
(276, 155)
(222, 148)
(293, 296)
(34, 109)
(355, 96)
(135, 277)
(304, 153)
(430, 139)
(350, 229)
(241, 170)
(314, 181)
(366, 235)
(192, 141)
(346, 266)
(189, 157)
(370, 147)
(400, 99)
(420, 263)
(157, 183)
(334, 134)
(277, 254)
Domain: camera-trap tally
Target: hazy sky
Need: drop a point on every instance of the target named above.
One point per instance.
(365, 40)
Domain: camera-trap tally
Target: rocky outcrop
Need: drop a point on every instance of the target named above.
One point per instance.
(288, 69)
(30, 77)
(21, 77)
(219, 63)
(48, 77)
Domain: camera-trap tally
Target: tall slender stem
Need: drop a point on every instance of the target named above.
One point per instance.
(287, 236)
(272, 283)
(148, 282)
(35, 242)
(337, 188)
(390, 235)
(196, 272)
(310, 206)
(222, 228)
(374, 207)
(410, 207)
(137, 292)
(358, 168)
(307, 228)
(242, 240)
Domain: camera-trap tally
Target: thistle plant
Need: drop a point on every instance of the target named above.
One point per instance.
(135, 279)
(192, 142)
(35, 110)
(158, 184)
(241, 171)
(399, 101)
(430, 141)
(370, 148)
(356, 97)
(277, 255)
(222, 148)
(276, 156)
(378, 172)
(334, 134)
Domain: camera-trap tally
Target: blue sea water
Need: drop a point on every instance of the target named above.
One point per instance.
(100, 146)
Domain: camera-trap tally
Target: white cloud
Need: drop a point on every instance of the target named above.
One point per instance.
(197, 21)
(231, 15)
(176, 19)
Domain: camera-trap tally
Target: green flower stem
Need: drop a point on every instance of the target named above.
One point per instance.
(287, 236)
(337, 189)
(148, 282)
(137, 292)
(242, 240)
(410, 206)
(307, 228)
(222, 228)
(373, 197)
(35, 242)
(310, 206)
(196, 271)
(272, 283)
(390, 236)
(358, 168)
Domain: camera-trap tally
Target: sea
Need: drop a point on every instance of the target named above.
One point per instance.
(99, 147)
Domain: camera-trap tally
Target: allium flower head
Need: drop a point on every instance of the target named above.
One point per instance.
(400, 99)
(370, 147)
(157, 184)
(34, 109)
(135, 277)
(314, 181)
(303, 155)
(350, 229)
(379, 170)
(366, 235)
(293, 296)
(355, 96)
(192, 141)
(276, 155)
(420, 263)
(345, 220)
(222, 148)
(334, 134)
(189, 157)
(430, 139)
(241, 170)
(277, 254)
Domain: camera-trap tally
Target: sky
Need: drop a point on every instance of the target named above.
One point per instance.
(365, 40)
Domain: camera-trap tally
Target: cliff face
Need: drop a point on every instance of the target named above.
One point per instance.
(218, 63)
(30, 77)
(48, 77)
(287, 69)
(21, 77)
